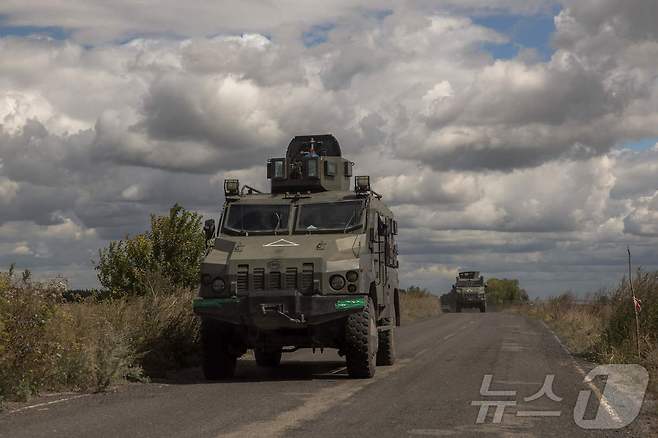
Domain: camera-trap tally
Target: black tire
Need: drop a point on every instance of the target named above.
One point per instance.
(398, 311)
(386, 346)
(218, 360)
(458, 308)
(361, 342)
(483, 308)
(268, 358)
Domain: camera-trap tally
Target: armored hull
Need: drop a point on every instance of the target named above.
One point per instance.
(310, 265)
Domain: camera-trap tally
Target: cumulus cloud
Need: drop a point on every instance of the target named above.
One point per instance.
(93, 21)
(511, 166)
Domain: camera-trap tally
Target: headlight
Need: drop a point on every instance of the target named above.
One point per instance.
(352, 276)
(337, 282)
(218, 285)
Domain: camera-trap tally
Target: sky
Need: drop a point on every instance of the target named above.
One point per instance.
(518, 138)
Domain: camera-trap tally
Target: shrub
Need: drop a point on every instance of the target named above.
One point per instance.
(30, 351)
(621, 328)
(603, 329)
(49, 344)
(173, 249)
(163, 328)
(503, 291)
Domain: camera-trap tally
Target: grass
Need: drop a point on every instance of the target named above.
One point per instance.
(47, 344)
(603, 328)
(51, 341)
(417, 304)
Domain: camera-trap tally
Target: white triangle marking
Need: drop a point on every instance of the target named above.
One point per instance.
(282, 242)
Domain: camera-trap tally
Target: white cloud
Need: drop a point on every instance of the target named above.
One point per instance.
(508, 166)
(22, 249)
(8, 190)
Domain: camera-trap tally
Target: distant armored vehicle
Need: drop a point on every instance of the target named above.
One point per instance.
(312, 264)
(469, 290)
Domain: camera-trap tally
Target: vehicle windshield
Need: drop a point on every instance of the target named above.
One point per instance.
(249, 218)
(331, 216)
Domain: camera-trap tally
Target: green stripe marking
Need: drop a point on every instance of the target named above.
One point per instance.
(351, 303)
(210, 303)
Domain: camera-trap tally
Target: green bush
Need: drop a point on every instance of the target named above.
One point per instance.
(172, 249)
(621, 328)
(503, 291)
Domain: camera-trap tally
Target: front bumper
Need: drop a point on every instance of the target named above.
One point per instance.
(472, 299)
(271, 310)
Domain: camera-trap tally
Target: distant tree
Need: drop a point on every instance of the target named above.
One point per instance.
(505, 290)
(415, 290)
(172, 250)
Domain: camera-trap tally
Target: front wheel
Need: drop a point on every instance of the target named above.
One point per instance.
(483, 308)
(386, 346)
(361, 341)
(218, 359)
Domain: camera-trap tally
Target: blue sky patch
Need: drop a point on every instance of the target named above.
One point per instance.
(317, 35)
(641, 145)
(53, 32)
(532, 32)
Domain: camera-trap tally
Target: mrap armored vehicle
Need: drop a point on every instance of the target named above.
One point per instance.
(313, 264)
(469, 290)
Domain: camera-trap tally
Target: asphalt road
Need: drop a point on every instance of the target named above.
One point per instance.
(430, 391)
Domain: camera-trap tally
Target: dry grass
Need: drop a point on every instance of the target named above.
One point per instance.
(418, 305)
(604, 329)
(48, 344)
(580, 326)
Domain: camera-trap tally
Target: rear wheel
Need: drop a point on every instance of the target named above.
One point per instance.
(268, 358)
(386, 346)
(458, 308)
(483, 307)
(361, 341)
(218, 360)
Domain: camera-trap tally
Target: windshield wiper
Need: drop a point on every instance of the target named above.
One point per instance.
(349, 222)
(278, 222)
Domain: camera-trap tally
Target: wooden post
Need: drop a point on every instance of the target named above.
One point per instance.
(637, 318)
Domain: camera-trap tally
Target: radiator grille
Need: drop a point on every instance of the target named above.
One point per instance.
(275, 280)
(259, 278)
(291, 278)
(307, 277)
(243, 278)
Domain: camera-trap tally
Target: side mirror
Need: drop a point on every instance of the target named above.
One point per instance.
(209, 228)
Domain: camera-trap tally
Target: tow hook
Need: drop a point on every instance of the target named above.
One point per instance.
(279, 310)
(300, 320)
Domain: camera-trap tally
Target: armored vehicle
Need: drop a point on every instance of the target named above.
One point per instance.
(312, 264)
(469, 290)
